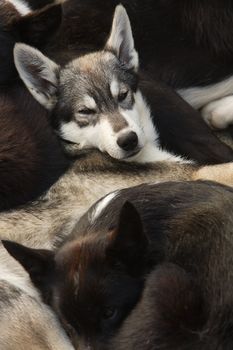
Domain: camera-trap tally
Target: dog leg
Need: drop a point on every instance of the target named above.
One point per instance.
(222, 173)
(200, 96)
(219, 114)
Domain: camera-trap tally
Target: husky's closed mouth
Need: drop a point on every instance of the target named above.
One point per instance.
(132, 154)
(68, 142)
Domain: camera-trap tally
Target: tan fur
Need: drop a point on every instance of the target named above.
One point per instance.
(219, 173)
(30, 325)
(26, 323)
(45, 222)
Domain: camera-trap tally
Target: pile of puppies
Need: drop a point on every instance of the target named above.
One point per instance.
(116, 197)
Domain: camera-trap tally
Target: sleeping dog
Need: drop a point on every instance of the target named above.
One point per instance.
(97, 275)
(96, 101)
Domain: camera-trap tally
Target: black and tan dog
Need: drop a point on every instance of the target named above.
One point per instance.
(98, 275)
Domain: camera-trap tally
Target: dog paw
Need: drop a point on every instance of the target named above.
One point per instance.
(219, 114)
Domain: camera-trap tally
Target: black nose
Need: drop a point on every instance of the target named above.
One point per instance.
(128, 142)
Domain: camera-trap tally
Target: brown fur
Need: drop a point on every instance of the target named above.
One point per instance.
(31, 159)
(103, 266)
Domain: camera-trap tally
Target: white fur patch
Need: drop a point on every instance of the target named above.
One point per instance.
(20, 6)
(151, 151)
(198, 97)
(87, 137)
(89, 102)
(219, 114)
(103, 203)
(115, 88)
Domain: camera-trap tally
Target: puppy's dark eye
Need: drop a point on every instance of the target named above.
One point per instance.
(86, 111)
(110, 313)
(122, 96)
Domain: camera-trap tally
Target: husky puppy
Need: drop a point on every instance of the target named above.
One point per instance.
(95, 101)
(26, 323)
(97, 276)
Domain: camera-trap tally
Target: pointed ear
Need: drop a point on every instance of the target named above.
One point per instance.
(128, 243)
(37, 262)
(37, 27)
(121, 40)
(39, 74)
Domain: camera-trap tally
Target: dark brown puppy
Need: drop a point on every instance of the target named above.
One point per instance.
(31, 159)
(35, 28)
(97, 277)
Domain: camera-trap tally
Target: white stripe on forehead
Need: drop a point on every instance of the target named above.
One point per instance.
(89, 102)
(115, 88)
(99, 208)
(20, 6)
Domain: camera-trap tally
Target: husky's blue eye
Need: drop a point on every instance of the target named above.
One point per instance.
(122, 96)
(86, 111)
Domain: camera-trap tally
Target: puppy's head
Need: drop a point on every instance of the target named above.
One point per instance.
(94, 99)
(93, 282)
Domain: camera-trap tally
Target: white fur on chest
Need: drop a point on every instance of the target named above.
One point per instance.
(151, 152)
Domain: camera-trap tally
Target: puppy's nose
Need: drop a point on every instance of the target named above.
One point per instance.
(128, 142)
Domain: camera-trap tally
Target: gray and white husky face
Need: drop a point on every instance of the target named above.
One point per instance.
(102, 112)
(93, 99)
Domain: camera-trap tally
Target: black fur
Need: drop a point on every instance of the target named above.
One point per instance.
(31, 159)
(182, 43)
(169, 316)
(34, 29)
(181, 128)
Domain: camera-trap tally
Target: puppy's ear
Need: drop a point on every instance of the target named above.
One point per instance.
(37, 262)
(37, 27)
(39, 74)
(128, 243)
(121, 40)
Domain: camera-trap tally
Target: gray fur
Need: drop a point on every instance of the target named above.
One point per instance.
(26, 323)
(46, 221)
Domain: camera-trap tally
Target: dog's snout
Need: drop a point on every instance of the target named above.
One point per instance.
(128, 142)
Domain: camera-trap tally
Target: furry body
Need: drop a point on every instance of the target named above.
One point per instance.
(34, 28)
(91, 176)
(97, 276)
(26, 323)
(31, 159)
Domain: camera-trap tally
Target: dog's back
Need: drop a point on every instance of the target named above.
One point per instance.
(171, 316)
